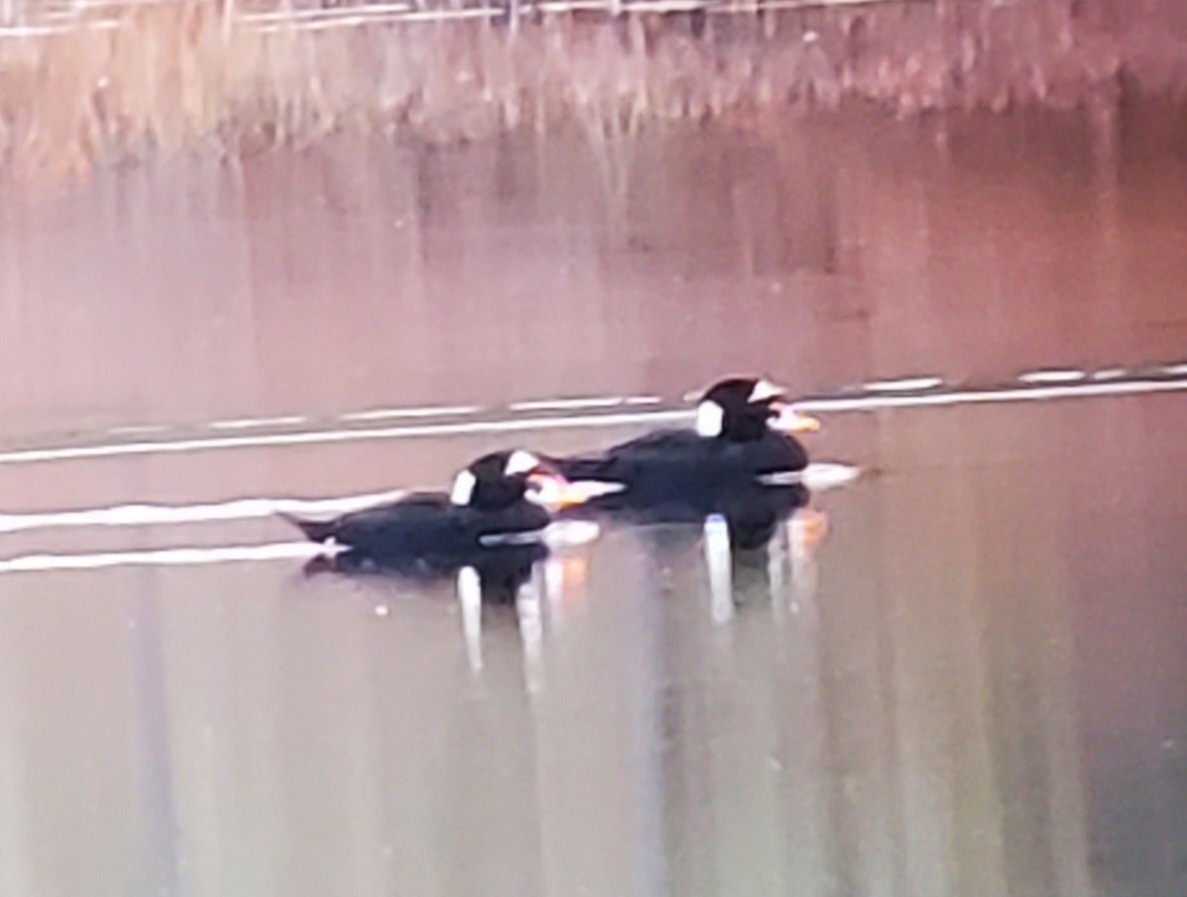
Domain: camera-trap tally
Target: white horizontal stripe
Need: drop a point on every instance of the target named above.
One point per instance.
(115, 450)
(138, 430)
(148, 515)
(162, 557)
(906, 384)
(429, 15)
(624, 418)
(1052, 376)
(48, 30)
(414, 412)
(250, 423)
(567, 404)
(298, 15)
(1038, 394)
(559, 535)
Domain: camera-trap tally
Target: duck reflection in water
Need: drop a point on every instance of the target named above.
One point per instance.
(499, 571)
(751, 536)
(490, 532)
(500, 578)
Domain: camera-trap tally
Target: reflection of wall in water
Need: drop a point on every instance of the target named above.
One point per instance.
(953, 715)
(921, 735)
(953, 729)
(827, 250)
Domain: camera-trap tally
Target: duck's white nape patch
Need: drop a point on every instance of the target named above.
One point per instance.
(710, 419)
(764, 389)
(463, 488)
(520, 462)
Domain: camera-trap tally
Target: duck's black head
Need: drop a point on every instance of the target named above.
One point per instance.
(496, 481)
(743, 409)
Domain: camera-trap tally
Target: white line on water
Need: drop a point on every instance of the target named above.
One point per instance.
(354, 21)
(643, 400)
(905, 384)
(1110, 374)
(818, 476)
(623, 418)
(149, 514)
(138, 430)
(567, 404)
(992, 396)
(1052, 376)
(162, 557)
(251, 423)
(49, 30)
(399, 413)
(560, 536)
(1174, 369)
(299, 15)
(316, 437)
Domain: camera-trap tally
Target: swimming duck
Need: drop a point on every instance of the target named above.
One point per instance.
(494, 502)
(741, 441)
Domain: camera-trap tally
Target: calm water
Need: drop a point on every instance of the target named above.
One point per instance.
(975, 685)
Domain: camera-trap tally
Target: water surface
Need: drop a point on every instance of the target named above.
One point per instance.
(976, 686)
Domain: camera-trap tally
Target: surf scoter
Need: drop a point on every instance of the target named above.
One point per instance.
(742, 442)
(492, 504)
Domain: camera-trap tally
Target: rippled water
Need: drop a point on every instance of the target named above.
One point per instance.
(974, 685)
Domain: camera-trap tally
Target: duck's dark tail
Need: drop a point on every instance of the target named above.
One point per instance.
(314, 530)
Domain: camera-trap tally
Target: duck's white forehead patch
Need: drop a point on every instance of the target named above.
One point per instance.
(520, 462)
(764, 389)
(463, 488)
(710, 419)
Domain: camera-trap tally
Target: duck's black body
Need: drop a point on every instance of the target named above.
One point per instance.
(724, 467)
(488, 510)
(427, 528)
(674, 464)
(673, 475)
